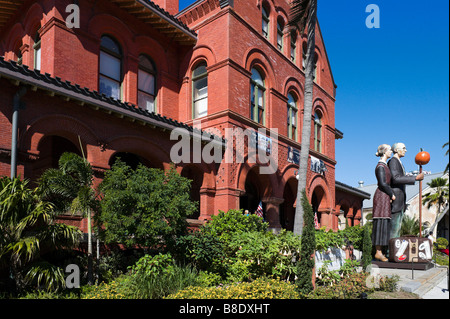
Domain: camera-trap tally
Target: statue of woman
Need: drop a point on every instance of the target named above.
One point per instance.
(382, 199)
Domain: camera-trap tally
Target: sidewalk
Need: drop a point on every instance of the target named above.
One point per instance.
(427, 284)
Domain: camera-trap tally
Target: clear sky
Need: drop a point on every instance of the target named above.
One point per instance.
(393, 81)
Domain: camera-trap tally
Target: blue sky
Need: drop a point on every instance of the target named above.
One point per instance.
(393, 82)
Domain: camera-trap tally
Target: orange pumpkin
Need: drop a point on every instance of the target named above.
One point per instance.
(422, 158)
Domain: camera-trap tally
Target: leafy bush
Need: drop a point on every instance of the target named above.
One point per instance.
(225, 225)
(261, 288)
(442, 243)
(144, 207)
(150, 278)
(27, 227)
(239, 247)
(263, 254)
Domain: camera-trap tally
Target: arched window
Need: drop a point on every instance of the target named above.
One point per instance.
(280, 27)
(293, 46)
(265, 22)
(200, 91)
(110, 76)
(37, 52)
(292, 120)
(257, 110)
(316, 58)
(146, 84)
(317, 132)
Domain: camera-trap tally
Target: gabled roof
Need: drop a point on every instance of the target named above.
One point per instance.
(21, 74)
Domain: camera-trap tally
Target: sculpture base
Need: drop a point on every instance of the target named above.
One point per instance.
(393, 265)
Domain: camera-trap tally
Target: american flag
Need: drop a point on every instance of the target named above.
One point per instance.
(316, 221)
(259, 210)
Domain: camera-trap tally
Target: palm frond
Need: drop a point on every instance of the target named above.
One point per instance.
(61, 235)
(299, 14)
(46, 274)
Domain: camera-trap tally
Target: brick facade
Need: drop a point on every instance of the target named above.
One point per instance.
(226, 35)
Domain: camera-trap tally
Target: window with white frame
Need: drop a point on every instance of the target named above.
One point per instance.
(200, 91)
(37, 52)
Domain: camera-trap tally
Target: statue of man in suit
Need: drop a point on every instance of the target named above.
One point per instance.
(399, 180)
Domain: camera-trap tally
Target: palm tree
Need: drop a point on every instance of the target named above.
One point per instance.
(440, 195)
(446, 154)
(303, 15)
(69, 188)
(410, 226)
(27, 228)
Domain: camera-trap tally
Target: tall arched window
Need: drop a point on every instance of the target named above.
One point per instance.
(200, 91)
(257, 110)
(316, 58)
(292, 121)
(146, 84)
(317, 132)
(280, 27)
(265, 22)
(293, 46)
(110, 73)
(37, 52)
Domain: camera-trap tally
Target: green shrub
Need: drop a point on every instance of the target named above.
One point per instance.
(261, 288)
(256, 254)
(239, 247)
(225, 225)
(308, 245)
(152, 277)
(442, 243)
(350, 287)
(116, 289)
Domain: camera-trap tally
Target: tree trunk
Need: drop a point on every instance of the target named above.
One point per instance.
(90, 266)
(308, 104)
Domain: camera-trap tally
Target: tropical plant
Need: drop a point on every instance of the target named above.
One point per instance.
(146, 207)
(28, 228)
(438, 196)
(69, 188)
(410, 226)
(303, 15)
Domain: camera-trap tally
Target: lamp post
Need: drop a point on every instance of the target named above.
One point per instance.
(422, 158)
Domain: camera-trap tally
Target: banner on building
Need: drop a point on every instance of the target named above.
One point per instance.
(317, 165)
(261, 141)
(293, 155)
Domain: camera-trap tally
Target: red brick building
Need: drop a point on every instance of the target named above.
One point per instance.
(131, 72)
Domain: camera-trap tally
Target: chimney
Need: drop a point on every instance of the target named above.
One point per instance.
(171, 6)
(361, 183)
